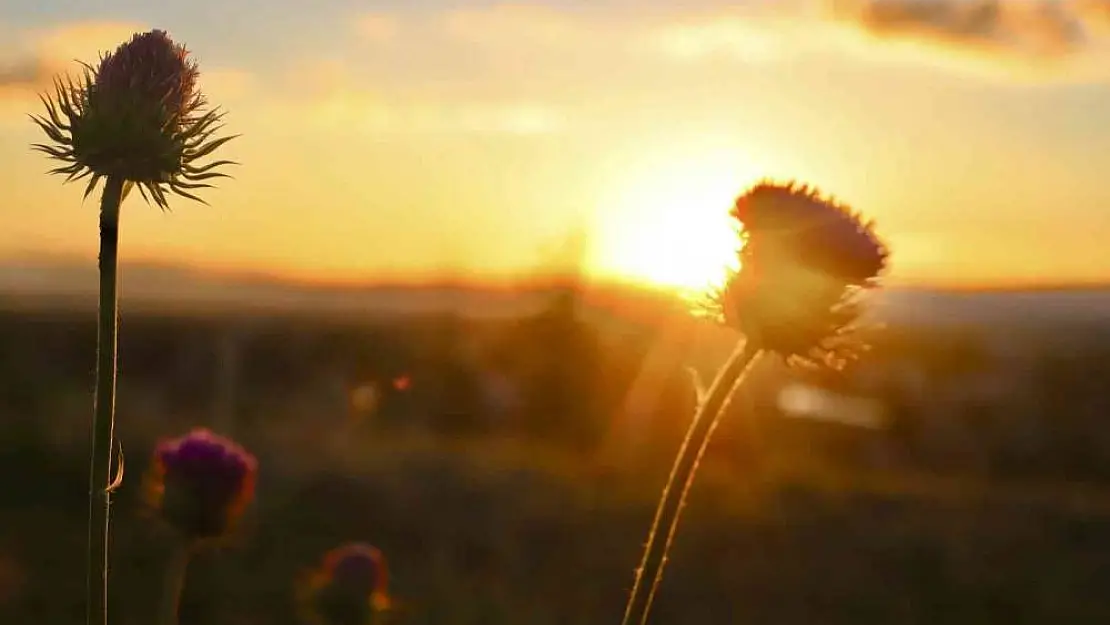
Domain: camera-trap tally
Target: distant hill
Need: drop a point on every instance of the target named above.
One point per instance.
(53, 281)
(1026, 307)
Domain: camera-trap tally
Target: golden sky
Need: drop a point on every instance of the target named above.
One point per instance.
(400, 139)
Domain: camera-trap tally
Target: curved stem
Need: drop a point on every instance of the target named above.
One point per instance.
(713, 421)
(173, 584)
(104, 405)
(685, 465)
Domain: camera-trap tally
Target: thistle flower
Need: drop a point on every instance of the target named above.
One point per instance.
(350, 587)
(201, 483)
(805, 262)
(818, 231)
(136, 116)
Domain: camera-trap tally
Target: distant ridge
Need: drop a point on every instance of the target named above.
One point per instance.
(68, 282)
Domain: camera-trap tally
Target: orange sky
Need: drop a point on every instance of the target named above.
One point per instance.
(431, 137)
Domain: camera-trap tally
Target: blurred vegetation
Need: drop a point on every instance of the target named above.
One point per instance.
(490, 461)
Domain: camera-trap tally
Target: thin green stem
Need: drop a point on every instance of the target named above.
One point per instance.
(685, 467)
(104, 405)
(174, 583)
(714, 420)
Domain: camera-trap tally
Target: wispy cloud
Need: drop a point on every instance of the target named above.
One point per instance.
(729, 36)
(333, 98)
(363, 113)
(1038, 39)
(1045, 38)
(533, 26)
(1040, 27)
(526, 67)
(36, 56)
(605, 32)
(21, 76)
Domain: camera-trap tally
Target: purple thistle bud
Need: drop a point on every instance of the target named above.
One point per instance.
(350, 587)
(804, 262)
(137, 116)
(202, 482)
(151, 68)
(357, 565)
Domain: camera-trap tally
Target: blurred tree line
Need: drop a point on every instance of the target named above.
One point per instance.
(953, 400)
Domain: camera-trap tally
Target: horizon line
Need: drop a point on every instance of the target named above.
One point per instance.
(538, 279)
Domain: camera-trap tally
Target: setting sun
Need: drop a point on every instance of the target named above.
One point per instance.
(667, 222)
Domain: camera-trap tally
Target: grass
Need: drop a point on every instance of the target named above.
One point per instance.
(499, 526)
(490, 533)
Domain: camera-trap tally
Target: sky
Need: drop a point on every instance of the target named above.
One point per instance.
(422, 138)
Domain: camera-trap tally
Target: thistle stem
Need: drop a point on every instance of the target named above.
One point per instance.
(173, 583)
(685, 466)
(104, 404)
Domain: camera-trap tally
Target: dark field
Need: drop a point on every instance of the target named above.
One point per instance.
(509, 468)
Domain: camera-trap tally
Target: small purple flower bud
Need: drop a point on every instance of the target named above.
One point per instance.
(202, 483)
(350, 587)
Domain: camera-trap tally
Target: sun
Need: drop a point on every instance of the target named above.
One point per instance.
(667, 222)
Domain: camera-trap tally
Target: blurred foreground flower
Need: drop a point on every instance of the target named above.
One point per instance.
(201, 483)
(135, 119)
(805, 261)
(350, 587)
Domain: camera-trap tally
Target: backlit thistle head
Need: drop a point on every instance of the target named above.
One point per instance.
(805, 260)
(201, 483)
(137, 115)
(349, 587)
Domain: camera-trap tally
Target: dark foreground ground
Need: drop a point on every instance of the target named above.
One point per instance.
(497, 466)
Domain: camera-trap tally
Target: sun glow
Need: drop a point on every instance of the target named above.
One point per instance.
(668, 224)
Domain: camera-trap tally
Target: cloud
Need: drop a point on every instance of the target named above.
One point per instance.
(23, 74)
(360, 112)
(365, 113)
(1094, 12)
(41, 54)
(80, 40)
(1031, 37)
(606, 33)
(1034, 28)
(1023, 39)
(332, 98)
(532, 25)
(568, 56)
(742, 38)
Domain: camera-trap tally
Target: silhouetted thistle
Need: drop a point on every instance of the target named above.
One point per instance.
(350, 587)
(134, 119)
(199, 484)
(805, 260)
(809, 229)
